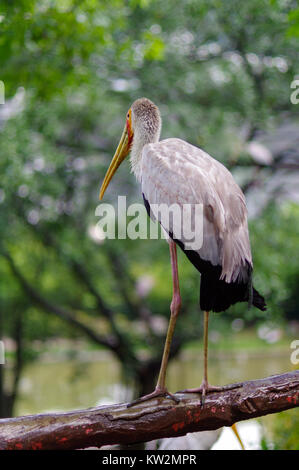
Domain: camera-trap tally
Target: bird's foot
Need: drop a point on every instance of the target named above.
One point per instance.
(158, 392)
(206, 388)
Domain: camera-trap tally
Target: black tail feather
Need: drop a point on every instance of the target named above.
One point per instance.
(217, 295)
(258, 300)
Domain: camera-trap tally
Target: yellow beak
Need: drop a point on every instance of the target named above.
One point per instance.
(121, 152)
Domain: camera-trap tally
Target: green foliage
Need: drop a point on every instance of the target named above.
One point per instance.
(50, 43)
(220, 75)
(294, 23)
(283, 431)
(274, 238)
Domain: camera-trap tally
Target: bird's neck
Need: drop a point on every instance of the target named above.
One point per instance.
(139, 142)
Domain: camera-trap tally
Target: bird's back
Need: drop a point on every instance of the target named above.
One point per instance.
(176, 172)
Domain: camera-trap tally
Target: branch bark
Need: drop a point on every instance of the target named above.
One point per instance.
(153, 419)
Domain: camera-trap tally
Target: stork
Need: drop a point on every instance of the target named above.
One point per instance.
(173, 171)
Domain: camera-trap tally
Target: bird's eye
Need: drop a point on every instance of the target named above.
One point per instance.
(128, 115)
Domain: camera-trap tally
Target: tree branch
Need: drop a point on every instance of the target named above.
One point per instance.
(120, 343)
(150, 420)
(57, 310)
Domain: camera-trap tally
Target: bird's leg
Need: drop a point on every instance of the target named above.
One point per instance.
(236, 432)
(175, 305)
(205, 387)
(174, 311)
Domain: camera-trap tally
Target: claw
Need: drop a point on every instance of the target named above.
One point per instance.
(205, 388)
(155, 394)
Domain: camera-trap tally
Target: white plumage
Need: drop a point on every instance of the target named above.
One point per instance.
(176, 172)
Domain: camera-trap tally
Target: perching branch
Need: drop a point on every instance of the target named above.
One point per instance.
(154, 419)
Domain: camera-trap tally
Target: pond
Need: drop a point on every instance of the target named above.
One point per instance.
(71, 384)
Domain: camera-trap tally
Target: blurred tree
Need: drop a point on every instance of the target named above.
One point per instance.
(283, 432)
(214, 69)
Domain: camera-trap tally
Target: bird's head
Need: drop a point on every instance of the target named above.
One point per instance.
(143, 125)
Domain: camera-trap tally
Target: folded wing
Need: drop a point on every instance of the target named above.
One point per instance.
(175, 172)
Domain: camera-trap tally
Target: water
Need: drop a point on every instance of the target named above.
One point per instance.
(70, 384)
